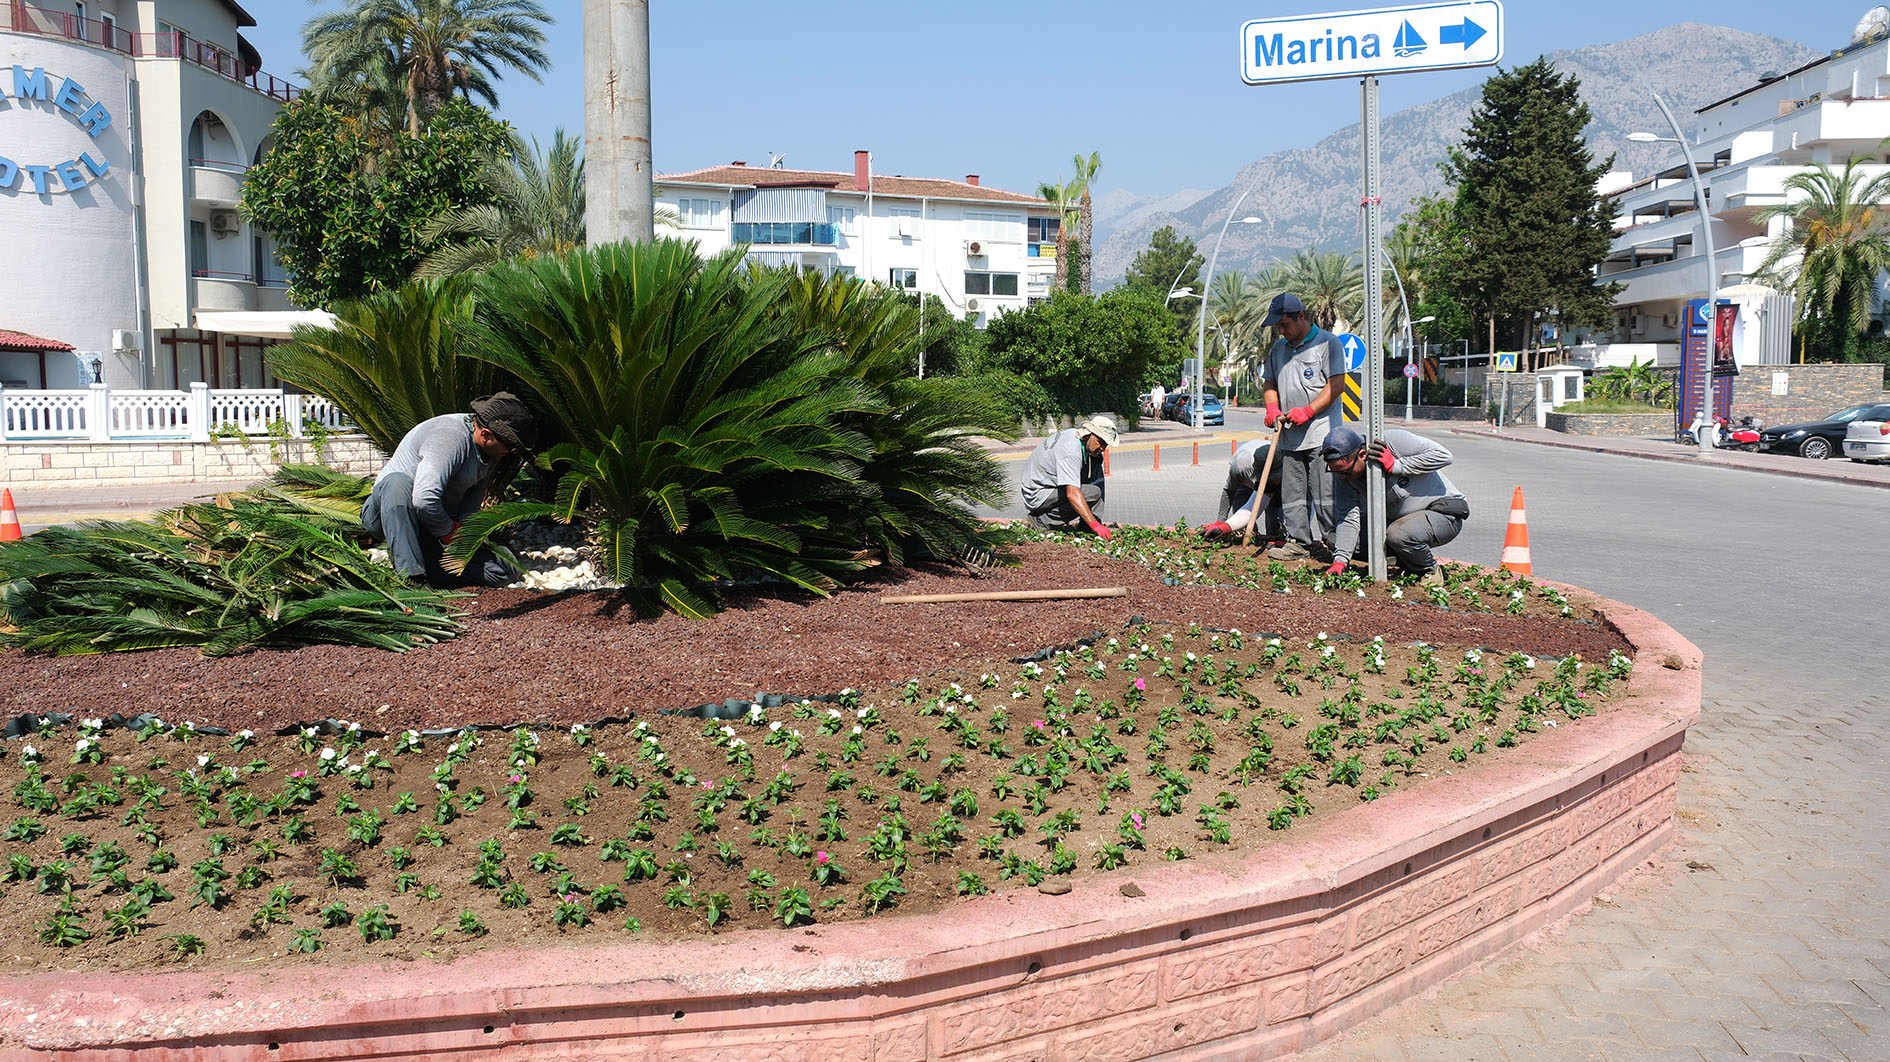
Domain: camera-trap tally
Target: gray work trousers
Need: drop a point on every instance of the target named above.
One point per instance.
(1410, 539)
(1061, 515)
(1305, 496)
(388, 515)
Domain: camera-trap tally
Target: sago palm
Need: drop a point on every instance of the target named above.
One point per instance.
(1836, 244)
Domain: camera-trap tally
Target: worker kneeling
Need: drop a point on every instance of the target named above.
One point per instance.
(438, 477)
(1062, 482)
(1239, 496)
(1423, 510)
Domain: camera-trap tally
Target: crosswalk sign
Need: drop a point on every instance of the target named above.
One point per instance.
(1506, 362)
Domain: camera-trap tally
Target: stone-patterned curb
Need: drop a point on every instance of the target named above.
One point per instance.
(1235, 957)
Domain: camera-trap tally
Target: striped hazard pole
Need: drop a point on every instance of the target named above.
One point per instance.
(1516, 539)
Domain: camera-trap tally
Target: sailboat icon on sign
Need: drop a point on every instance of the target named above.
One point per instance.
(1408, 42)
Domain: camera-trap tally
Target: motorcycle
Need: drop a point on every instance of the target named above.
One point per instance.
(1744, 437)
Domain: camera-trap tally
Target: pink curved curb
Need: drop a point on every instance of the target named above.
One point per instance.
(1238, 957)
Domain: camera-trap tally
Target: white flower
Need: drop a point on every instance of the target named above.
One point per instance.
(354, 728)
(328, 754)
(94, 724)
(858, 729)
(579, 728)
(776, 725)
(860, 713)
(659, 757)
(29, 752)
(246, 734)
(309, 731)
(848, 692)
(651, 739)
(412, 735)
(83, 744)
(203, 761)
(728, 731)
(354, 768)
(833, 713)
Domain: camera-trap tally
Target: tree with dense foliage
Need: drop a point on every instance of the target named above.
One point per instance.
(1089, 352)
(536, 206)
(1835, 246)
(347, 210)
(429, 48)
(1331, 284)
(1170, 261)
(1063, 198)
(1531, 227)
(1085, 179)
(1425, 245)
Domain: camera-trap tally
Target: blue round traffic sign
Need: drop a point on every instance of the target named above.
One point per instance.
(1354, 351)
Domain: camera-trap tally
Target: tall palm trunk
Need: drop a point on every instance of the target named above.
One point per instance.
(1088, 232)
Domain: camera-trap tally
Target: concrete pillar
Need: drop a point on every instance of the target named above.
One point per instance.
(617, 159)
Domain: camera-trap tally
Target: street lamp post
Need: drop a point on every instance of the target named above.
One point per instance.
(1707, 429)
(1207, 284)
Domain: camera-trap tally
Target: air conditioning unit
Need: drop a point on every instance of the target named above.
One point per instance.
(972, 305)
(1669, 320)
(224, 222)
(973, 247)
(127, 339)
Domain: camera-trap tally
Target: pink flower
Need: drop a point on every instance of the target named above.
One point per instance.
(569, 897)
(516, 778)
(1038, 723)
(821, 858)
(1140, 684)
(706, 785)
(299, 774)
(1136, 817)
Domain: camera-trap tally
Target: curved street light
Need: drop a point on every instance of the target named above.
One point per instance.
(1706, 430)
(1207, 283)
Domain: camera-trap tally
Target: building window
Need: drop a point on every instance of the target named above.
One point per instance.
(990, 283)
(843, 271)
(700, 213)
(782, 232)
(987, 227)
(904, 279)
(843, 219)
(1042, 230)
(905, 220)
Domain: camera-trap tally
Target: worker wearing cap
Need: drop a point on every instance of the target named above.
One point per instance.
(1303, 375)
(1239, 496)
(1062, 482)
(1423, 510)
(439, 476)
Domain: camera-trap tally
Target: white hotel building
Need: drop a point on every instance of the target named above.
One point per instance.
(981, 250)
(1746, 146)
(126, 131)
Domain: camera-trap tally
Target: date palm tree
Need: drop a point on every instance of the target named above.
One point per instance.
(537, 207)
(1063, 199)
(432, 48)
(1835, 245)
(1086, 171)
(1332, 284)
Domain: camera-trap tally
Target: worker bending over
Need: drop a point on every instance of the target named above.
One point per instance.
(1062, 482)
(1239, 498)
(1423, 510)
(438, 477)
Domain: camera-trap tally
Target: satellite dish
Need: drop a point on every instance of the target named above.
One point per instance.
(1874, 24)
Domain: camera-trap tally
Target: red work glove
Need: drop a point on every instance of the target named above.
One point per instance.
(1299, 415)
(1101, 531)
(1336, 568)
(1273, 413)
(447, 539)
(1216, 529)
(1382, 454)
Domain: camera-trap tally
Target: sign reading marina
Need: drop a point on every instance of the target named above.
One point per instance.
(1392, 40)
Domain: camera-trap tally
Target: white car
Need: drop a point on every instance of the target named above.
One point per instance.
(1867, 440)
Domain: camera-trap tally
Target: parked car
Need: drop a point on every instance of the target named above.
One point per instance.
(1820, 439)
(1170, 403)
(1868, 437)
(1211, 410)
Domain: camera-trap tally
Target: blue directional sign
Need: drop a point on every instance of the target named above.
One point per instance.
(1392, 40)
(1354, 351)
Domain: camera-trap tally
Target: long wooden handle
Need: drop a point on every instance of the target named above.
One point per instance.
(1005, 595)
(1260, 487)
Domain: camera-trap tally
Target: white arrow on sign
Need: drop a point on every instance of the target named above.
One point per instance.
(1354, 351)
(1392, 40)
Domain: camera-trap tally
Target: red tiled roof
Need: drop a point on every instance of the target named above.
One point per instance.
(762, 177)
(22, 341)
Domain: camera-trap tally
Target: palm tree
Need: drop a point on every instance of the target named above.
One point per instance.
(536, 207)
(1063, 198)
(1331, 284)
(1086, 170)
(432, 48)
(1836, 244)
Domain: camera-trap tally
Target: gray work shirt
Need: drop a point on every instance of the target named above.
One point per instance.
(1414, 484)
(1243, 471)
(1061, 461)
(1299, 373)
(449, 473)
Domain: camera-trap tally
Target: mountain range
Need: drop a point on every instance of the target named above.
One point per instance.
(1308, 197)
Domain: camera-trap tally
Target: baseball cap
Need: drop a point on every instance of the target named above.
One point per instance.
(1341, 442)
(1284, 303)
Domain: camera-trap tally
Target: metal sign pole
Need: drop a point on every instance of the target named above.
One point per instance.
(1374, 397)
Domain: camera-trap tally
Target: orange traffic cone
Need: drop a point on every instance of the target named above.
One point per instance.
(1516, 541)
(9, 518)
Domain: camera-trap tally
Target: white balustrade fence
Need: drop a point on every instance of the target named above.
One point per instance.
(99, 414)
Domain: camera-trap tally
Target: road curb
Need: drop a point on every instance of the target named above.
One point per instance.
(1813, 471)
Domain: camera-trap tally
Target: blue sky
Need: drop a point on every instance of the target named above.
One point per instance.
(1011, 90)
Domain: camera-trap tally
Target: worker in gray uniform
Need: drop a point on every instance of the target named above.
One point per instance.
(1062, 482)
(1239, 498)
(1423, 509)
(437, 478)
(1303, 375)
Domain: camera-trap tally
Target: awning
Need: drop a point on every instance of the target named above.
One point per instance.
(269, 324)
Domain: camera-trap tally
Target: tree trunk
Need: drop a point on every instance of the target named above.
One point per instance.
(1061, 279)
(1088, 227)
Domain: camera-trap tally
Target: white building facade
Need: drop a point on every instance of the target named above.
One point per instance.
(127, 128)
(1746, 146)
(981, 251)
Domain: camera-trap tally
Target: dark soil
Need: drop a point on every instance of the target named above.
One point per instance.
(994, 782)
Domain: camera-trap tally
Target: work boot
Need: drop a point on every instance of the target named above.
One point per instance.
(1290, 551)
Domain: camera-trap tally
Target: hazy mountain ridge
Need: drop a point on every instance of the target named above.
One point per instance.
(1310, 196)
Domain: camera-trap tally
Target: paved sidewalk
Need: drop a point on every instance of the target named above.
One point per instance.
(1840, 469)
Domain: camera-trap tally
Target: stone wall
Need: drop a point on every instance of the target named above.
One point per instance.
(1612, 425)
(1521, 411)
(1812, 392)
(105, 464)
